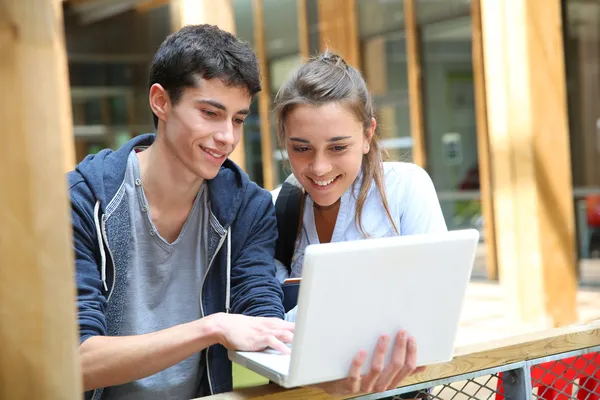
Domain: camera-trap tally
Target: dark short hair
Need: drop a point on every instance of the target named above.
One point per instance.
(203, 51)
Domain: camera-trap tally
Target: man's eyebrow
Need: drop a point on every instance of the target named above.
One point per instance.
(220, 106)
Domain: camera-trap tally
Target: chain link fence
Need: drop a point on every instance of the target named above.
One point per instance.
(572, 375)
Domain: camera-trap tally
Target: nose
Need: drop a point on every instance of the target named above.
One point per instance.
(320, 165)
(224, 134)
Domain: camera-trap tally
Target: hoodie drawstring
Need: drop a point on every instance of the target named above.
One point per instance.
(100, 244)
(228, 287)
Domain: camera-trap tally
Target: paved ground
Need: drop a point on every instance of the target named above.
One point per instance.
(486, 316)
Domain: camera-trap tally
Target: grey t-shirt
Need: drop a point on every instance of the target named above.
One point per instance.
(163, 289)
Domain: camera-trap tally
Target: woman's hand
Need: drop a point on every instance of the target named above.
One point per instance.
(381, 377)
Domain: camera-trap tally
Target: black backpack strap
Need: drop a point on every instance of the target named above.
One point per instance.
(287, 207)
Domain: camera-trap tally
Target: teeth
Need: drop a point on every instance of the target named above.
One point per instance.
(324, 183)
(215, 155)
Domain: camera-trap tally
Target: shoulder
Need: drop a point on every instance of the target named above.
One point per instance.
(404, 177)
(80, 194)
(255, 197)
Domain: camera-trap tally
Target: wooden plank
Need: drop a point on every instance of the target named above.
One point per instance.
(191, 12)
(483, 149)
(530, 159)
(338, 29)
(264, 97)
(38, 331)
(302, 30)
(468, 359)
(415, 88)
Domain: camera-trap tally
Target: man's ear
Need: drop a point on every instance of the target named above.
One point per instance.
(160, 104)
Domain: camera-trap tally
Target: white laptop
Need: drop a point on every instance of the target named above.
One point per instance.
(352, 292)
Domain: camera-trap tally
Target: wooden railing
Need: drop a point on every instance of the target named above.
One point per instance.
(468, 359)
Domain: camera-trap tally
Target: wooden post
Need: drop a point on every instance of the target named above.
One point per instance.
(415, 87)
(264, 97)
(483, 148)
(38, 332)
(192, 12)
(530, 158)
(338, 27)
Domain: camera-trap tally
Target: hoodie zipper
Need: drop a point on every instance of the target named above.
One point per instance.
(221, 241)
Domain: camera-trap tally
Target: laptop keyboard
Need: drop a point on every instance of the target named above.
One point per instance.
(273, 351)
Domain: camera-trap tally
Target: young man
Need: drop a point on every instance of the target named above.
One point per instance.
(174, 244)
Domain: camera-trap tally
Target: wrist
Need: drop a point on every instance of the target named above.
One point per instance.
(211, 329)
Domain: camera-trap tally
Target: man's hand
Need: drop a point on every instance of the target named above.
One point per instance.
(381, 378)
(240, 332)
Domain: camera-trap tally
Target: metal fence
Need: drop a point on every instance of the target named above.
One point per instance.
(570, 375)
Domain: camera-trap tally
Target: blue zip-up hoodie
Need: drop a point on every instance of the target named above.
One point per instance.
(240, 277)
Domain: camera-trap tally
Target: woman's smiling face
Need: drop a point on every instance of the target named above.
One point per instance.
(325, 146)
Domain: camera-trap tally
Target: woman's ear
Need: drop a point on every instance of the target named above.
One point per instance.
(370, 132)
(159, 101)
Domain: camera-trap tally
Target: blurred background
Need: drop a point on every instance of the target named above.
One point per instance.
(110, 45)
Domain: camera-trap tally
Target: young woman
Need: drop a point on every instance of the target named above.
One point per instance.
(326, 123)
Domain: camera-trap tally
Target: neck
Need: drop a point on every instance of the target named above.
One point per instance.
(325, 219)
(168, 184)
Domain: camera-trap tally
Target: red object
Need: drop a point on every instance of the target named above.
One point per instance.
(592, 204)
(554, 379)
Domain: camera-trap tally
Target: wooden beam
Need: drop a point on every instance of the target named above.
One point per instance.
(264, 97)
(338, 28)
(483, 149)
(530, 159)
(467, 359)
(415, 87)
(38, 331)
(192, 12)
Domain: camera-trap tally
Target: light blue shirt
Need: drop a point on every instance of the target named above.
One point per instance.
(413, 205)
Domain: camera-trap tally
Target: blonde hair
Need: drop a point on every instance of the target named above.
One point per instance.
(325, 79)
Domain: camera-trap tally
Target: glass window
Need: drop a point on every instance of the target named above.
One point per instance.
(244, 29)
(283, 53)
(383, 60)
(449, 112)
(109, 59)
(582, 56)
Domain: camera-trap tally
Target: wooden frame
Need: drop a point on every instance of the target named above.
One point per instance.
(264, 97)
(415, 88)
(338, 29)
(483, 149)
(38, 330)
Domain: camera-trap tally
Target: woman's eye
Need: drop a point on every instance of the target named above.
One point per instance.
(238, 121)
(301, 149)
(210, 113)
(340, 148)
